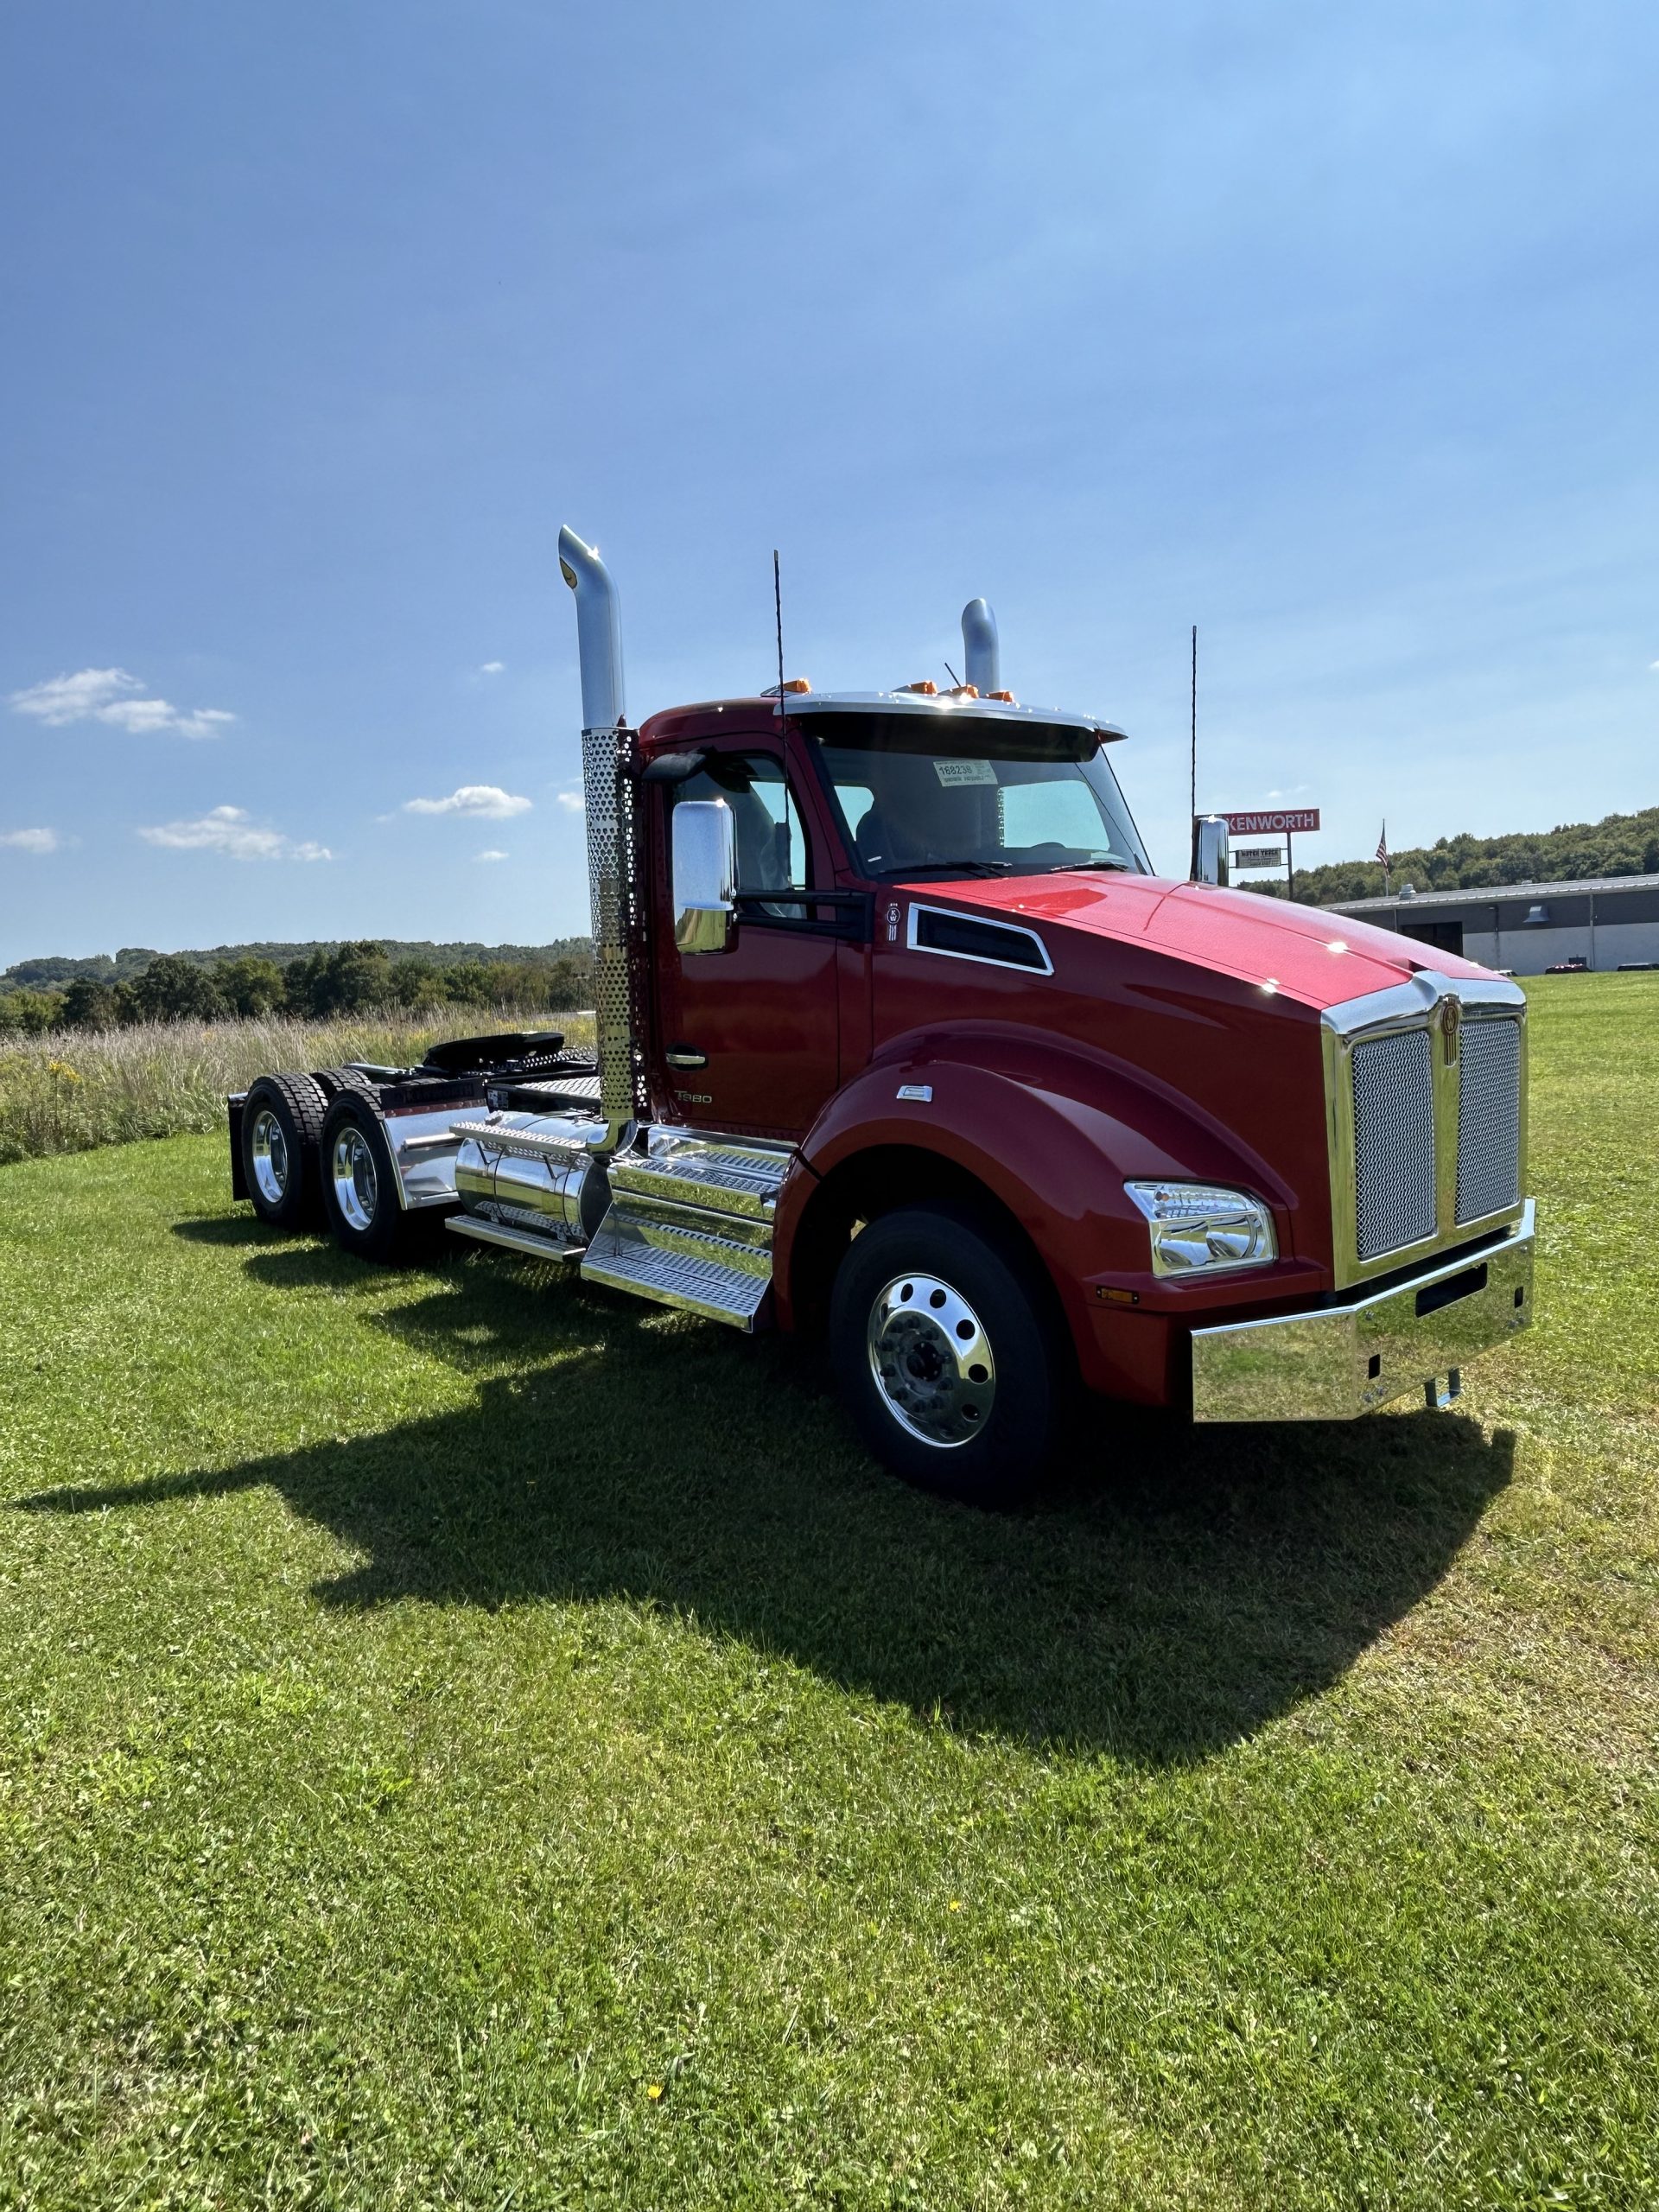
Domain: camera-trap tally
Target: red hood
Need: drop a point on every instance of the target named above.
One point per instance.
(1236, 933)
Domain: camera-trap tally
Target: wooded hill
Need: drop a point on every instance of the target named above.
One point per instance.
(314, 982)
(1619, 844)
(51, 971)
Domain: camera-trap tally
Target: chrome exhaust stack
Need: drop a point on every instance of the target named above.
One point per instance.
(607, 752)
(982, 663)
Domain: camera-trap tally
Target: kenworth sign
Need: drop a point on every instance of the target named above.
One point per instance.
(1296, 818)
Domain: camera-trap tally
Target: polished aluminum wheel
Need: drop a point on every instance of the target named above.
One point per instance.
(268, 1154)
(356, 1189)
(931, 1360)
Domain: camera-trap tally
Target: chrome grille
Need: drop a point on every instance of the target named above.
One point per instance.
(1394, 1142)
(1489, 1119)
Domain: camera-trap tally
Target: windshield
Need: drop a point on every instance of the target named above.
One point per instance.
(989, 797)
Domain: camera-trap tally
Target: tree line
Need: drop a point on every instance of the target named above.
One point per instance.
(350, 978)
(1619, 844)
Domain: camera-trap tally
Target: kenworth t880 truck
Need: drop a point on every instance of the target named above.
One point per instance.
(901, 1041)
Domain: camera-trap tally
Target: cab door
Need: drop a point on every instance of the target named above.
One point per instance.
(748, 1037)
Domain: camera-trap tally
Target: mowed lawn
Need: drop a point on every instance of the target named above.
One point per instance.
(468, 1739)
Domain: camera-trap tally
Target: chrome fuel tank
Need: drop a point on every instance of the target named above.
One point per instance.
(534, 1171)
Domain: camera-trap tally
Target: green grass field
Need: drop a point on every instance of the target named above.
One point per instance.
(468, 1740)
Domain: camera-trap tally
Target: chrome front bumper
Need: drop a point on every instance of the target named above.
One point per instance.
(1345, 1360)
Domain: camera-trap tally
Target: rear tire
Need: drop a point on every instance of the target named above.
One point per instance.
(282, 1128)
(359, 1184)
(948, 1355)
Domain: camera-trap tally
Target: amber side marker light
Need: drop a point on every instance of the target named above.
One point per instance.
(1109, 1296)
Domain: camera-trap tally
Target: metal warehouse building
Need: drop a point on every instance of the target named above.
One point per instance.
(1611, 922)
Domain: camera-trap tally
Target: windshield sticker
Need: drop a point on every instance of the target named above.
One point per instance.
(964, 771)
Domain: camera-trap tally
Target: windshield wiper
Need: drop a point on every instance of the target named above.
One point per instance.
(950, 868)
(1104, 860)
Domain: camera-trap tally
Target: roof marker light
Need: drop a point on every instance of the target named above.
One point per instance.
(790, 683)
(963, 691)
(926, 687)
(1007, 697)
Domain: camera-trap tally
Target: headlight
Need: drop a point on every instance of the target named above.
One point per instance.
(1195, 1225)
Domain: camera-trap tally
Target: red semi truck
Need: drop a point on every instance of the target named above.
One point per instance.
(901, 1041)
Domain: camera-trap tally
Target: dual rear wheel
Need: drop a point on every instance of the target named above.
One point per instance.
(308, 1161)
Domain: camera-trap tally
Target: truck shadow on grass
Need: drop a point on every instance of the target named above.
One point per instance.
(1185, 1587)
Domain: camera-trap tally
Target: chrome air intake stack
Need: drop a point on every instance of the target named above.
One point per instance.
(980, 664)
(606, 749)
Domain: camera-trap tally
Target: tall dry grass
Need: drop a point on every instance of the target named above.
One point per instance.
(73, 1089)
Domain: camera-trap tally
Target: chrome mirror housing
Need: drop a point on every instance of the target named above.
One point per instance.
(705, 875)
(1209, 862)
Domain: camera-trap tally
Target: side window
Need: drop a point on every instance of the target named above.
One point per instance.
(771, 854)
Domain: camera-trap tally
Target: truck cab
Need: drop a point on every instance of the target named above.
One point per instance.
(902, 1041)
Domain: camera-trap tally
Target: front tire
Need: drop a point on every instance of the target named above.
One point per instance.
(359, 1184)
(948, 1355)
(282, 1128)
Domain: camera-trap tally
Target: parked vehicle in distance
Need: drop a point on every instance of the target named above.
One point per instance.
(1578, 965)
(901, 1040)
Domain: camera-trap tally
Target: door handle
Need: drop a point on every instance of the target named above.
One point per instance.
(685, 1056)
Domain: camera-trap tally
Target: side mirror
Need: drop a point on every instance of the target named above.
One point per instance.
(705, 875)
(1209, 862)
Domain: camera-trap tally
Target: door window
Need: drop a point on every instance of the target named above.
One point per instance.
(772, 850)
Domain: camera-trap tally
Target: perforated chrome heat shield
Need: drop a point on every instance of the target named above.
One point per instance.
(613, 881)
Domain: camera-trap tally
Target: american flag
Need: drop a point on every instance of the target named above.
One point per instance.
(1382, 849)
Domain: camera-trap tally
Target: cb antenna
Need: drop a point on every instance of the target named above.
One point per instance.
(777, 610)
(1194, 777)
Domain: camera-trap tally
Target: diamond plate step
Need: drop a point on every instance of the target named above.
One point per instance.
(514, 1240)
(720, 1175)
(671, 1261)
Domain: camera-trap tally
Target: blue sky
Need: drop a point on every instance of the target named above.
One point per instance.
(1332, 330)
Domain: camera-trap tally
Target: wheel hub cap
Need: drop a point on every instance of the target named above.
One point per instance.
(931, 1360)
(355, 1189)
(269, 1148)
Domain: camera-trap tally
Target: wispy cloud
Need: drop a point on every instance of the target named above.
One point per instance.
(105, 694)
(492, 668)
(573, 802)
(486, 800)
(489, 854)
(32, 840)
(230, 830)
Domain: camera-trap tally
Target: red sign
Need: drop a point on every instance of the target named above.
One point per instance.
(1273, 825)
